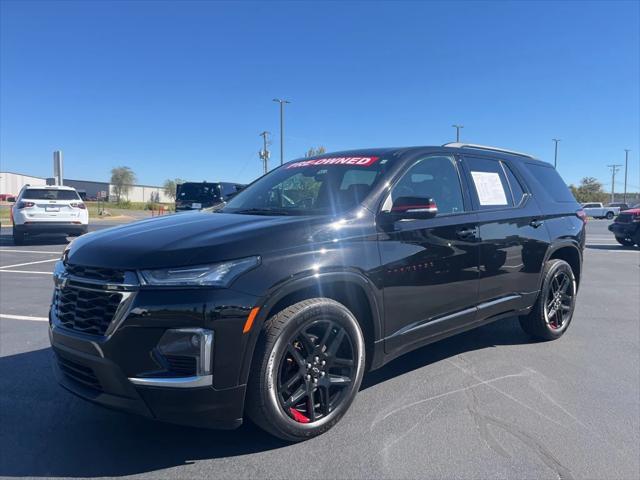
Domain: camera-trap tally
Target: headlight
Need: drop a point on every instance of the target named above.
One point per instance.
(217, 274)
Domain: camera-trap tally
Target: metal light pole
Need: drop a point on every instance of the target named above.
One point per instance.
(457, 127)
(555, 155)
(626, 164)
(281, 102)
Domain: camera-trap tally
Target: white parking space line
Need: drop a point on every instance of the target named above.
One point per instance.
(28, 251)
(23, 317)
(25, 271)
(29, 263)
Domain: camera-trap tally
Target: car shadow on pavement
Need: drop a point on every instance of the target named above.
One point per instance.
(6, 239)
(615, 248)
(502, 332)
(47, 432)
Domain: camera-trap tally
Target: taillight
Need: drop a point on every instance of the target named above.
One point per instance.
(22, 205)
(81, 206)
(582, 216)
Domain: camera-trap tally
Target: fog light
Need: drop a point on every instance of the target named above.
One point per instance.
(187, 351)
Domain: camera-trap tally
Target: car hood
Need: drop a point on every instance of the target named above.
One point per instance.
(189, 239)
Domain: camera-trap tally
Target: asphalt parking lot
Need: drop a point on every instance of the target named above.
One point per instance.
(485, 404)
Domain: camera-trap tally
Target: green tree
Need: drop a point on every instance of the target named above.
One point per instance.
(313, 151)
(590, 190)
(122, 178)
(171, 186)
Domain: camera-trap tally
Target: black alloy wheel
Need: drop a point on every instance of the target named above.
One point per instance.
(315, 369)
(306, 370)
(553, 311)
(559, 302)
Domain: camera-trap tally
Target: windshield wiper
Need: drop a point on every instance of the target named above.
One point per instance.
(262, 211)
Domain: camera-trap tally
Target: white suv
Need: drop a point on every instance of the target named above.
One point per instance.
(48, 209)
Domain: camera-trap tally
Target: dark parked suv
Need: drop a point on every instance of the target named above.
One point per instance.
(277, 303)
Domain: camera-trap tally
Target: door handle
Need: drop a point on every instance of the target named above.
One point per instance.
(467, 233)
(536, 223)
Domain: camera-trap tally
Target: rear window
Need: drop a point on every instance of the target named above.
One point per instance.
(551, 182)
(50, 194)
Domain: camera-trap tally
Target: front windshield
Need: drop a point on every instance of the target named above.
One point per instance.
(318, 186)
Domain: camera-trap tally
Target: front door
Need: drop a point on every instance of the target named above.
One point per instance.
(429, 267)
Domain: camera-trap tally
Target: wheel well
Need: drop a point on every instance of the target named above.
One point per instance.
(349, 294)
(572, 257)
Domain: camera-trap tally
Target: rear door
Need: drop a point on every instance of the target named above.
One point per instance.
(512, 238)
(429, 267)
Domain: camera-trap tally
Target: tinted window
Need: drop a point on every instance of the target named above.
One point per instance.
(198, 192)
(434, 177)
(516, 189)
(489, 183)
(551, 182)
(316, 186)
(50, 194)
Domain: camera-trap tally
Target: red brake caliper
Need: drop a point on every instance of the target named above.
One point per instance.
(297, 416)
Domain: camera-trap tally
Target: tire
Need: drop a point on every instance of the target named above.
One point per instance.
(542, 322)
(18, 237)
(610, 215)
(626, 243)
(289, 344)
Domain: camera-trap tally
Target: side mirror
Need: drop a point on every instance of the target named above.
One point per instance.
(404, 208)
(11, 199)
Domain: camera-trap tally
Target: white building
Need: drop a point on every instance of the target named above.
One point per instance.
(11, 183)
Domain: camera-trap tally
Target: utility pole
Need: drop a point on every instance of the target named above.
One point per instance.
(614, 169)
(457, 127)
(555, 155)
(281, 102)
(265, 154)
(626, 164)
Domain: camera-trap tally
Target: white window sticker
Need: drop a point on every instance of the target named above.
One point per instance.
(489, 188)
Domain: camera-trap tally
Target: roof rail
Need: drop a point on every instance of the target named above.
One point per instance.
(486, 147)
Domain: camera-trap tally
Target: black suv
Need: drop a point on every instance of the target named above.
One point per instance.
(277, 303)
(196, 196)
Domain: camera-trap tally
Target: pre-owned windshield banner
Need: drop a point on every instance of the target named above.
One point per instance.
(354, 161)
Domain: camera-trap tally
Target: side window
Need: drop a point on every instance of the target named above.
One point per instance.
(435, 177)
(516, 189)
(490, 183)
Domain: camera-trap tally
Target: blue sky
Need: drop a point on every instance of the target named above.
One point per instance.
(182, 89)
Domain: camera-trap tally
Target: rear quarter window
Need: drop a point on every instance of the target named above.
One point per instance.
(551, 182)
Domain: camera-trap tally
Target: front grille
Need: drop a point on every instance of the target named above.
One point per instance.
(79, 373)
(624, 218)
(87, 311)
(108, 275)
(181, 364)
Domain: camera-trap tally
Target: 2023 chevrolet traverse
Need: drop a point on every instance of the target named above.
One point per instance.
(276, 304)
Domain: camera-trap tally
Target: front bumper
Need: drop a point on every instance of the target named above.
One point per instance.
(625, 230)
(101, 368)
